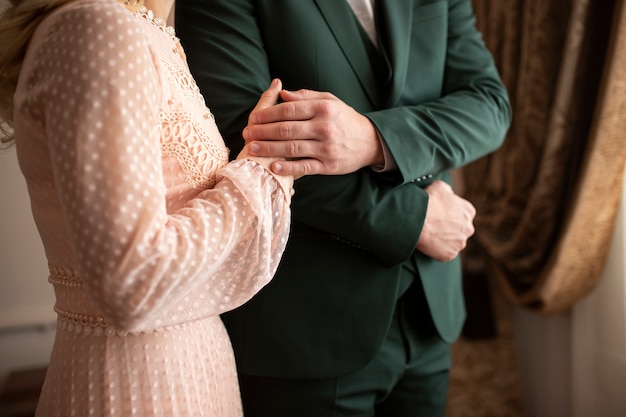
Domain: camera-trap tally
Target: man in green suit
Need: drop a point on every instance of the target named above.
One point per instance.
(359, 318)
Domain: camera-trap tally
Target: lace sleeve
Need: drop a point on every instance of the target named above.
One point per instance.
(96, 82)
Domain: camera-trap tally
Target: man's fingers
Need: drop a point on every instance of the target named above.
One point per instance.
(305, 94)
(283, 131)
(448, 224)
(286, 111)
(300, 105)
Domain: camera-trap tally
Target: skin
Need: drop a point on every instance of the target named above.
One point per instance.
(317, 133)
(325, 134)
(267, 100)
(160, 8)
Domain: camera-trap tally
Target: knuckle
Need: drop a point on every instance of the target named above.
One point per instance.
(333, 165)
(328, 150)
(288, 110)
(306, 168)
(447, 256)
(284, 130)
(325, 107)
(326, 131)
(292, 148)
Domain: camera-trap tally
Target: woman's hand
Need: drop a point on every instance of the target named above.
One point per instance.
(267, 99)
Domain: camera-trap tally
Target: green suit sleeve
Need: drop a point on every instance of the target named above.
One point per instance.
(467, 121)
(224, 43)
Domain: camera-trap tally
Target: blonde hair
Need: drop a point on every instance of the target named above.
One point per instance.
(17, 24)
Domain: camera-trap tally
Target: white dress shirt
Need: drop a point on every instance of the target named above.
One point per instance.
(364, 11)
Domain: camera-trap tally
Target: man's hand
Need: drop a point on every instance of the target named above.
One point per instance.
(448, 223)
(316, 132)
(267, 99)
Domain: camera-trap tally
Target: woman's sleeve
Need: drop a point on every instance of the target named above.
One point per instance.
(99, 87)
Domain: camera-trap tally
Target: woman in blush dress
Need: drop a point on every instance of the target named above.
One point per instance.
(149, 231)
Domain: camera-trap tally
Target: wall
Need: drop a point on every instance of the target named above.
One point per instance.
(574, 364)
(26, 299)
(598, 341)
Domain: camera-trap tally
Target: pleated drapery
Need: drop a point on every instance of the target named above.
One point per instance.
(547, 200)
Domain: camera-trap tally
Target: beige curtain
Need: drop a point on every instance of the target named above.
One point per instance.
(547, 200)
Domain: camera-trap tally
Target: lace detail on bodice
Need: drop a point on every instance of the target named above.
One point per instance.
(149, 16)
(185, 84)
(198, 155)
(192, 138)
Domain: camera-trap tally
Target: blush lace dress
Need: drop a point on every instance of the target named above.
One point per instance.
(150, 233)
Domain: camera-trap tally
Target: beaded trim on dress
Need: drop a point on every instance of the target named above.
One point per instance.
(157, 21)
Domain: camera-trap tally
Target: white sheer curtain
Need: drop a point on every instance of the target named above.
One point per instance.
(598, 337)
(574, 364)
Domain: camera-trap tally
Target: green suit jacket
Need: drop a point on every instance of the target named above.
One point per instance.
(435, 96)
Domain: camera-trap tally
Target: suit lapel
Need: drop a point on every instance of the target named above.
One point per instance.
(346, 29)
(394, 23)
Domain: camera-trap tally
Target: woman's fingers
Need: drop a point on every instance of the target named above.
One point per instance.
(269, 97)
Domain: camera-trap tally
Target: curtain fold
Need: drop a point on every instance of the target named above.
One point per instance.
(547, 200)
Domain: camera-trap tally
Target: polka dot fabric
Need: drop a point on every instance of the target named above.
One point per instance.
(149, 231)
